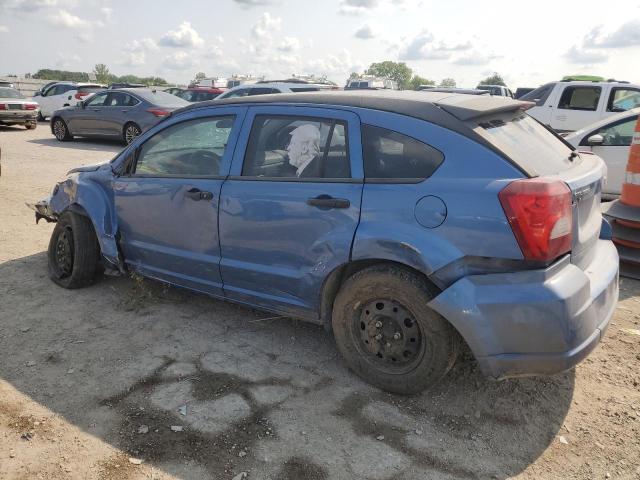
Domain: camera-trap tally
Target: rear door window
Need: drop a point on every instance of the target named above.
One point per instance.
(297, 148)
(194, 148)
(583, 98)
(261, 91)
(392, 155)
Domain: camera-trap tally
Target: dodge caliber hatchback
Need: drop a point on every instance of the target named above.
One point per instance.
(407, 222)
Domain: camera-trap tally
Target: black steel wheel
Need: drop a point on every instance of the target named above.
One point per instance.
(387, 333)
(74, 253)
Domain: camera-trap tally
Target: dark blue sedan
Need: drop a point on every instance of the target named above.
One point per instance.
(406, 222)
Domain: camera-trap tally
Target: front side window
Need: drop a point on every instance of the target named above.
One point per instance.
(98, 100)
(262, 91)
(388, 154)
(191, 148)
(580, 98)
(119, 99)
(623, 99)
(617, 135)
(242, 92)
(297, 147)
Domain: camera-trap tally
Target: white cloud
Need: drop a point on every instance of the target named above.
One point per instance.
(4, 29)
(253, 3)
(627, 35)
(141, 45)
(366, 32)
(28, 5)
(357, 7)
(178, 61)
(62, 18)
(134, 59)
(266, 26)
(584, 56)
(289, 44)
(107, 12)
(66, 60)
(475, 58)
(184, 36)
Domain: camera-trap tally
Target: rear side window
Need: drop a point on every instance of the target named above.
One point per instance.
(580, 98)
(194, 148)
(305, 89)
(392, 155)
(262, 91)
(525, 141)
(297, 147)
(538, 95)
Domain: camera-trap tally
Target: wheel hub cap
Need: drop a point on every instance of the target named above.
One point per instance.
(389, 333)
(64, 253)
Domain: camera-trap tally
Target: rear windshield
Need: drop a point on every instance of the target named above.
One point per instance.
(526, 142)
(9, 93)
(90, 89)
(194, 96)
(162, 99)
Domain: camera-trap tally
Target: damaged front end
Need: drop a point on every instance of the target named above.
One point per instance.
(86, 191)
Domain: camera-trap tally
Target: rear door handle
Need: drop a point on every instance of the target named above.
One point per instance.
(197, 194)
(325, 202)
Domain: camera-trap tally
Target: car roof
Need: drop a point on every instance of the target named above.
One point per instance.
(602, 122)
(436, 107)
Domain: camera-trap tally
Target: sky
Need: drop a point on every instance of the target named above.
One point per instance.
(463, 39)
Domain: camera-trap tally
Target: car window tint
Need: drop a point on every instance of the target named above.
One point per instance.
(243, 92)
(538, 95)
(98, 100)
(389, 154)
(623, 99)
(580, 98)
(260, 91)
(620, 134)
(297, 147)
(192, 148)
(304, 89)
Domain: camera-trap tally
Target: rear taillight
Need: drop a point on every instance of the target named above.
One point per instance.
(158, 112)
(79, 95)
(29, 106)
(540, 215)
(3, 106)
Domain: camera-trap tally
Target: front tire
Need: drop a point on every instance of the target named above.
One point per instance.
(130, 132)
(61, 131)
(74, 253)
(388, 335)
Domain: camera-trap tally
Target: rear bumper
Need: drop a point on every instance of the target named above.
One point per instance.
(11, 117)
(534, 322)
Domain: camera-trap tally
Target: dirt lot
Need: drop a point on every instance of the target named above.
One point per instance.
(94, 377)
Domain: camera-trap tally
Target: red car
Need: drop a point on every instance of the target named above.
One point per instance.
(200, 94)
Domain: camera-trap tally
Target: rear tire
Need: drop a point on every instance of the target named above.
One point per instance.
(130, 132)
(31, 125)
(61, 131)
(387, 333)
(74, 253)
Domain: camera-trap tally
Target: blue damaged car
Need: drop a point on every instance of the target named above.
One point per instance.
(406, 222)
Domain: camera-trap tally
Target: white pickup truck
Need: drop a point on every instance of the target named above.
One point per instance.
(567, 106)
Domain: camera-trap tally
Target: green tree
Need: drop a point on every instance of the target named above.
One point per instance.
(61, 75)
(495, 79)
(200, 76)
(417, 80)
(398, 72)
(102, 73)
(448, 83)
(354, 75)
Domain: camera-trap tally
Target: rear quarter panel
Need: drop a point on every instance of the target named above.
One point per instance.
(467, 182)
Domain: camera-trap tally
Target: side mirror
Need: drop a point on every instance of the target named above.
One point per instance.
(596, 139)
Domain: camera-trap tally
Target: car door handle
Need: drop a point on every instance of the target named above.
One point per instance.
(197, 194)
(96, 109)
(326, 202)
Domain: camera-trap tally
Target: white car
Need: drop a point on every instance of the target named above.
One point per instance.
(610, 139)
(496, 90)
(264, 88)
(568, 106)
(64, 94)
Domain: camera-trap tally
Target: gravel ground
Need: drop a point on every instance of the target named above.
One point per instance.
(95, 381)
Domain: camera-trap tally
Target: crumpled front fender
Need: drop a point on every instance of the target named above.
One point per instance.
(87, 193)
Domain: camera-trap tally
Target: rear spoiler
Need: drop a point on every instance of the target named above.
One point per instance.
(467, 107)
